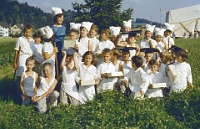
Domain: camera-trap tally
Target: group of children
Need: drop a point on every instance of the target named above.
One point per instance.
(86, 68)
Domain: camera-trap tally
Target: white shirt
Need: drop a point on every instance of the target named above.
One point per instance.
(105, 44)
(106, 68)
(83, 45)
(155, 78)
(126, 67)
(132, 52)
(184, 75)
(38, 52)
(138, 79)
(124, 37)
(145, 43)
(117, 66)
(44, 86)
(160, 46)
(169, 41)
(48, 47)
(94, 42)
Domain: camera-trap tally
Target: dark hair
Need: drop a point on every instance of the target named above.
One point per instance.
(153, 62)
(74, 31)
(28, 26)
(105, 51)
(89, 53)
(38, 34)
(184, 54)
(56, 17)
(30, 59)
(137, 60)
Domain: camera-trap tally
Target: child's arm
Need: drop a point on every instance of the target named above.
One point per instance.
(75, 61)
(15, 65)
(189, 78)
(126, 78)
(47, 56)
(122, 44)
(62, 64)
(145, 83)
(151, 44)
(34, 98)
(137, 49)
(22, 87)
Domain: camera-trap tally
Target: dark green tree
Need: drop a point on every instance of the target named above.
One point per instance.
(103, 13)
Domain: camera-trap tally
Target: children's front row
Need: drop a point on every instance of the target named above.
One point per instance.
(79, 81)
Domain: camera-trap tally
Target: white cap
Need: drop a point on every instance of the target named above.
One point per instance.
(87, 25)
(150, 28)
(75, 26)
(127, 23)
(159, 31)
(56, 10)
(47, 32)
(114, 30)
(169, 26)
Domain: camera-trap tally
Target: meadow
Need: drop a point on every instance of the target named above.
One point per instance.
(108, 110)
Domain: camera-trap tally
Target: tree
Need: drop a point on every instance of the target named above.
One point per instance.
(103, 13)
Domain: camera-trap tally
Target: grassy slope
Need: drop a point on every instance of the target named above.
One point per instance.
(110, 109)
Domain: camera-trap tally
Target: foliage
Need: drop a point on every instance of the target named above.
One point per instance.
(103, 13)
(108, 110)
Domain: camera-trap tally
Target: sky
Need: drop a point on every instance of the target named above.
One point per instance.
(153, 10)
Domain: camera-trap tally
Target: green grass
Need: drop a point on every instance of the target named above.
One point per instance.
(108, 110)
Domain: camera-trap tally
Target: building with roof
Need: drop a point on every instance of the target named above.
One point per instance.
(4, 29)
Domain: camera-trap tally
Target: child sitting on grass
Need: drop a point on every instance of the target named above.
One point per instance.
(136, 79)
(28, 81)
(44, 91)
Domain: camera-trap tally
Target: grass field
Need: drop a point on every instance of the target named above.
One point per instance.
(108, 110)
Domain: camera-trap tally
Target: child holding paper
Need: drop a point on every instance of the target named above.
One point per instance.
(87, 72)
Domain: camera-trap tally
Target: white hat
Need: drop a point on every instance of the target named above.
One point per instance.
(127, 23)
(75, 25)
(114, 30)
(159, 31)
(87, 25)
(47, 32)
(169, 26)
(56, 10)
(150, 28)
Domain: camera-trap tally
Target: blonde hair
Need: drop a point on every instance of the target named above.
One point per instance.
(94, 27)
(30, 59)
(116, 52)
(106, 31)
(166, 54)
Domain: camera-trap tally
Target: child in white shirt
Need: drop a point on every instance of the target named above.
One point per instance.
(184, 72)
(44, 92)
(154, 77)
(148, 56)
(93, 39)
(105, 68)
(69, 66)
(87, 71)
(136, 79)
(38, 52)
(24, 43)
(28, 81)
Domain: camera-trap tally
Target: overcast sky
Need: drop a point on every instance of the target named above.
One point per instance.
(148, 9)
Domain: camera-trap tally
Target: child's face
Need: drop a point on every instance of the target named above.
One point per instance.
(158, 38)
(180, 59)
(106, 57)
(28, 33)
(73, 36)
(131, 39)
(93, 33)
(126, 29)
(68, 59)
(30, 65)
(88, 59)
(84, 32)
(37, 40)
(167, 33)
(153, 68)
(174, 56)
(104, 36)
(125, 56)
(164, 59)
(147, 35)
(148, 56)
(60, 20)
(47, 71)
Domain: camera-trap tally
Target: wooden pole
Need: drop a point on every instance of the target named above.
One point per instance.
(17, 58)
(56, 63)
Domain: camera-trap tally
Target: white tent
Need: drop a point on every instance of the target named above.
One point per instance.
(185, 19)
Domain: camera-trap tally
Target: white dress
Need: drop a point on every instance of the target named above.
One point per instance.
(25, 52)
(86, 93)
(132, 52)
(68, 82)
(94, 42)
(160, 46)
(145, 43)
(154, 78)
(106, 84)
(29, 84)
(162, 69)
(184, 75)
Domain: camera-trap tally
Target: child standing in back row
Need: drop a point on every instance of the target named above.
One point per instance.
(24, 43)
(94, 40)
(28, 81)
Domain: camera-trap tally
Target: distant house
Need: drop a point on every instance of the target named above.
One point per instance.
(138, 25)
(4, 29)
(17, 29)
